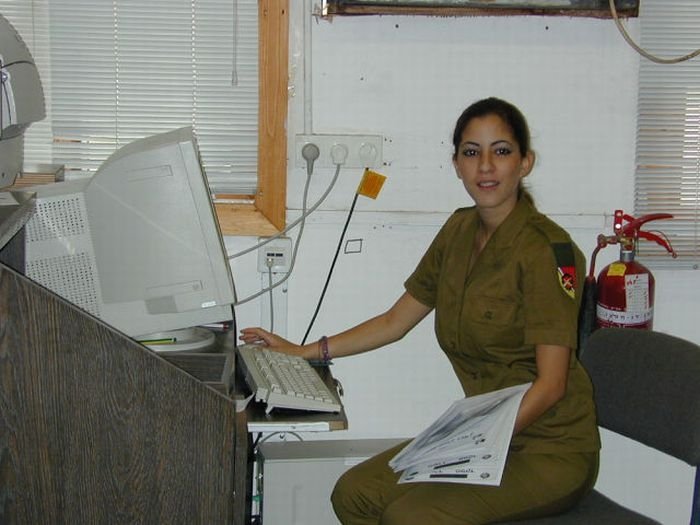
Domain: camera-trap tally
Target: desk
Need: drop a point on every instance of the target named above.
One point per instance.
(96, 428)
(217, 368)
(294, 420)
(285, 421)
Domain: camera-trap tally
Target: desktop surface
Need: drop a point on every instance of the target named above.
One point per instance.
(296, 420)
(218, 368)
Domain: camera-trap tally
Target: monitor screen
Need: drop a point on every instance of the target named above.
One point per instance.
(137, 245)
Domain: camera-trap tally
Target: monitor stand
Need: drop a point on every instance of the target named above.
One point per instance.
(194, 339)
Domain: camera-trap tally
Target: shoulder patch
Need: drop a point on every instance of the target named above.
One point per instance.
(566, 267)
(563, 249)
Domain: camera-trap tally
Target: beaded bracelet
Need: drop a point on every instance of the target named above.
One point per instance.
(323, 350)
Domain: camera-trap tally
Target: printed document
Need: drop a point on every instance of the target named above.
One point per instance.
(467, 444)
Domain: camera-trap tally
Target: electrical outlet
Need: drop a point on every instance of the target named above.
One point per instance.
(356, 151)
(276, 255)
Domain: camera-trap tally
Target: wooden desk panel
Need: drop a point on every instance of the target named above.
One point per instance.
(95, 428)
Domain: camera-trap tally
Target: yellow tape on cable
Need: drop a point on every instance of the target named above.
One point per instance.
(371, 184)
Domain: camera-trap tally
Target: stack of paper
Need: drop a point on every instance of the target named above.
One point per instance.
(467, 444)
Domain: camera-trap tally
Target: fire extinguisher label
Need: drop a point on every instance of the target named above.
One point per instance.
(638, 309)
(609, 317)
(637, 292)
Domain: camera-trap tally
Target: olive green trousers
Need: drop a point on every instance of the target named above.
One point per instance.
(532, 485)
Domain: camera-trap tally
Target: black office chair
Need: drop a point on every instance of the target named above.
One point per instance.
(647, 388)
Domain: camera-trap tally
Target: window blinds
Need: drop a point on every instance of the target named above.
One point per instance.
(30, 19)
(668, 131)
(124, 69)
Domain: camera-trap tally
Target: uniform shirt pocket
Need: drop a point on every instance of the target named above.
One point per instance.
(493, 323)
(492, 311)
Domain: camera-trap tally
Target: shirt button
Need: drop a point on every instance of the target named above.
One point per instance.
(488, 314)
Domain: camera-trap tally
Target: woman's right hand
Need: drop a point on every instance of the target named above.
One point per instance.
(259, 336)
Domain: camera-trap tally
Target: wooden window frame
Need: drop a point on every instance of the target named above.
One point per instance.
(264, 213)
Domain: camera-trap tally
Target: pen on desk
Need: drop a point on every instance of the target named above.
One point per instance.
(164, 341)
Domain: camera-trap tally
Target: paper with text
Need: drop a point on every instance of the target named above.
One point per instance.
(466, 444)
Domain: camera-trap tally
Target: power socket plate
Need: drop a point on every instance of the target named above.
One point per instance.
(279, 252)
(363, 151)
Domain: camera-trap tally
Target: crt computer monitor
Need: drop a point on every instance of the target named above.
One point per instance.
(138, 244)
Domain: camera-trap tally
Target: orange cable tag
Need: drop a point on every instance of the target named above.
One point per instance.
(371, 184)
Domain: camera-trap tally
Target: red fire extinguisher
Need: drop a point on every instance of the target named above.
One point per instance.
(625, 289)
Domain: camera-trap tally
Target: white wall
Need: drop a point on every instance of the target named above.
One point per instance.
(408, 78)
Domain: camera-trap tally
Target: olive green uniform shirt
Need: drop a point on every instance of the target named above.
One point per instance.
(488, 321)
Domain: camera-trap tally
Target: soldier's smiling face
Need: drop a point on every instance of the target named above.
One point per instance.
(490, 164)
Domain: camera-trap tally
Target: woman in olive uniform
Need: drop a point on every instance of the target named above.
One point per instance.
(505, 284)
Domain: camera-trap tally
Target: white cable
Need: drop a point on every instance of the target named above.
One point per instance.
(279, 433)
(294, 223)
(639, 50)
(294, 252)
(305, 213)
(234, 46)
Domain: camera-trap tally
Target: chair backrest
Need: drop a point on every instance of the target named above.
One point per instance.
(647, 387)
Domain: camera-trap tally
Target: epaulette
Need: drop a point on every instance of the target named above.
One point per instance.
(563, 251)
